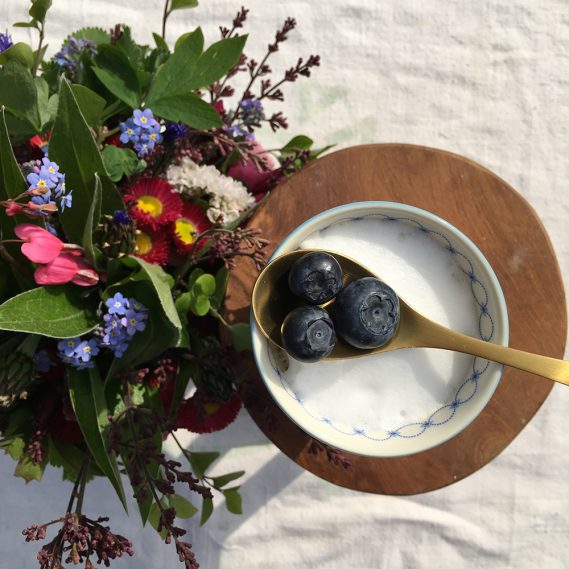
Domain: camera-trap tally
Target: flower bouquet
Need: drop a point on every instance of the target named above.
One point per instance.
(126, 181)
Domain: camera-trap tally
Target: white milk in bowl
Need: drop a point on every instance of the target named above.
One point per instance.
(380, 393)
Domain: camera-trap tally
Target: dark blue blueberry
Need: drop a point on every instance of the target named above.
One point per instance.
(308, 333)
(315, 277)
(366, 313)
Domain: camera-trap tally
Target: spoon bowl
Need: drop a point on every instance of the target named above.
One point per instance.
(272, 300)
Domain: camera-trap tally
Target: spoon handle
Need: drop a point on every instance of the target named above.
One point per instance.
(441, 337)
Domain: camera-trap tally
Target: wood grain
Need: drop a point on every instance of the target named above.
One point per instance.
(513, 239)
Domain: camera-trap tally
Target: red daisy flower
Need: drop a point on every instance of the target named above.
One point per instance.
(152, 246)
(201, 414)
(191, 223)
(153, 202)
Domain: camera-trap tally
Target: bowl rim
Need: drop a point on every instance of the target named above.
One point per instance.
(409, 209)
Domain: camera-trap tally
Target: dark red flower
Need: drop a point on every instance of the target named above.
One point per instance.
(191, 223)
(152, 246)
(201, 414)
(154, 204)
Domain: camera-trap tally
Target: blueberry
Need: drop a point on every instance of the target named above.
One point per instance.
(308, 333)
(315, 277)
(366, 313)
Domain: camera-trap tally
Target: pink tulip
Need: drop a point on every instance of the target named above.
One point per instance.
(248, 173)
(66, 267)
(40, 246)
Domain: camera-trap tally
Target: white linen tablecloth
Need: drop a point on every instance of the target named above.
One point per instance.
(487, 79)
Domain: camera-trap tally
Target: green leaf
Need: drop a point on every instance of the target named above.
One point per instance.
(116, 73)
(39, 9)
(233, 500)
(205, 284)
(15, 448)
(20, 52)
(154, 516)
(90, 104)
(221, 481)
(12, 182)
(241, 336)
(42, 101)
(66, 456)
(189, 109)
(92, 221)
(18, 93)
(184, 508)
(194, 276)
(171, 77)
(27, 470)
(132, 50)
(97, 35)
(221, 280)
(54, 311)
(201, 461)
(157, 278)
(216, 62)
(181, 4)
(73, 147)
(187, 70)
(121, 162)
(299, 142)
(160, 42)
(207, 510)
(88, 399)
(183, 303)
(200, 305)
(32, 24)
(186, 370)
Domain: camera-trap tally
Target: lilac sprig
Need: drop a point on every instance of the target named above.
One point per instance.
(142, 130)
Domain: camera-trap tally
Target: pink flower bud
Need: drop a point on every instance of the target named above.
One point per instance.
(248, 173)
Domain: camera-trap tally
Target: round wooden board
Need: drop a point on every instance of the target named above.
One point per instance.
(512, 238)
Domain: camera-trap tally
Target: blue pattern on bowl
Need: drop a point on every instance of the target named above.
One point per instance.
(467, 389)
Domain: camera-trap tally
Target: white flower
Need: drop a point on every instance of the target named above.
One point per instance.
(227, 197)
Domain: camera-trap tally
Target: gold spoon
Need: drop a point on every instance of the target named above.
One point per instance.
(272, 301)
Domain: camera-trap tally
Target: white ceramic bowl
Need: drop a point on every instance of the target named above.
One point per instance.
(459, 398)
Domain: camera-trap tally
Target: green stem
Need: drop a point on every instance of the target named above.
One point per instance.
(38, 53)
(81, 495)
(165, 17)
(213, 312)
(104, 135)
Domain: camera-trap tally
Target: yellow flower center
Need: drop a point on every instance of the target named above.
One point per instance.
(153, 136)
(211, 408)
(185, 231)
(51, 170)
(143, 244)
(87, 349)
(71, 344)
(130, 131)
(150, 205)
(41, 184)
